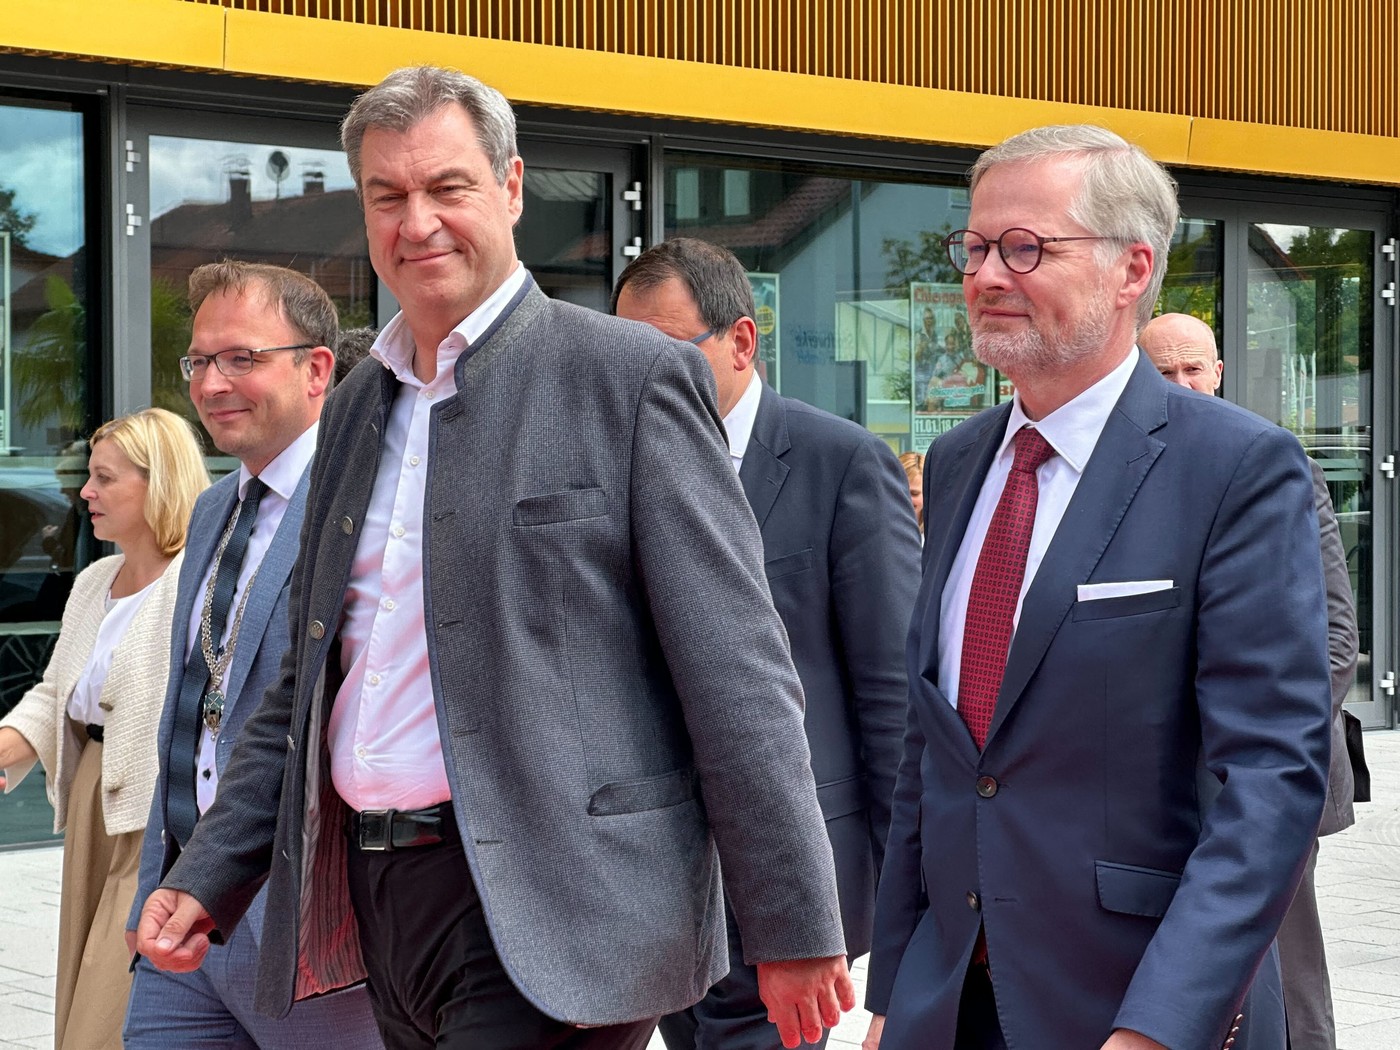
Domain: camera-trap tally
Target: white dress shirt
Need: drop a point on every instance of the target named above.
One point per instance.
(84, 705)
(1072, 430)
(385, 749)
(281, 477)
(738, 424)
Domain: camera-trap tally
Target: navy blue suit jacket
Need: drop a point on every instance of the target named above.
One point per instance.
(1133, 832)
(841, 552)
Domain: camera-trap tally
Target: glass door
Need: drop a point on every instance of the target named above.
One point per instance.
(203, 187)
(582, 219)
(1307, 342)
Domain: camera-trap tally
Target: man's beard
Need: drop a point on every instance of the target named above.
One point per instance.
(1029, 353)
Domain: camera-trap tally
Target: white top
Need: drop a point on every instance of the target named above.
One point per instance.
(738, 425)
(383, 731)
(83, 704)
(1072, 430)
(281, 477)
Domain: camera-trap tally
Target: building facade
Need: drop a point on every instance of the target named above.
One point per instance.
(824, 141)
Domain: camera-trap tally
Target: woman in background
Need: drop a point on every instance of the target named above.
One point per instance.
(92, 719)
(913, 464)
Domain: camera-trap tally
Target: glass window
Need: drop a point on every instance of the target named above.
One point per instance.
(291, 206)
(46, 346)
(1307, 365)
(1195, 269)
(565, 235)
(859, 310)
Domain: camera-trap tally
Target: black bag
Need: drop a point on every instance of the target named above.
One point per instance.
(1360, 773)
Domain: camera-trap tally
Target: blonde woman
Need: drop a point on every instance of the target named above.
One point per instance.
(913, 464)
(92, 719)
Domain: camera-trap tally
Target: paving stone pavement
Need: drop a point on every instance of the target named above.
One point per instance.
(1358, 879)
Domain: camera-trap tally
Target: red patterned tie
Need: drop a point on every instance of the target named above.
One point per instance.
(996, 586)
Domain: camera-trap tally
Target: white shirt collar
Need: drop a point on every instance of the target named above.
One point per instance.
(738, 424)
(1073, 429)
(394, 348)
(284, 473)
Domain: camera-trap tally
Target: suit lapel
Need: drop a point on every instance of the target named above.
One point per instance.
(1121, 460)
(951, 488)
(762, 472)
(267, 587)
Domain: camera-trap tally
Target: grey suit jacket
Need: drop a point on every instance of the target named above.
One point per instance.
(841, 551)
(1342, 645)
(587, 551)
(256, 660)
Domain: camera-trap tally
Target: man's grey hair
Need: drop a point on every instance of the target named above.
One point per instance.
(714, 276)
(408, 96)
(1126, 195)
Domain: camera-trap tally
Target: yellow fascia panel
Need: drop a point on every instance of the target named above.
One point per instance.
(1275, 150)
(160, 32)
(345, 53)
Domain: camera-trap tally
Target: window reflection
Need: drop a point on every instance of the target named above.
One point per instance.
(45, 403)
(1308, 362)
(291, 206)
(860, 311)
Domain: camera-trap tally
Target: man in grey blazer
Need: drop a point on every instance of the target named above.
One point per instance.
(841, 552)
(1184, 351)
(259, 367)
(516, 730)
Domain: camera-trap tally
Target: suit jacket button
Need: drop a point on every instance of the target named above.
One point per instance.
(973, 901)
(317, 630)
(987, 786)
(347, 526)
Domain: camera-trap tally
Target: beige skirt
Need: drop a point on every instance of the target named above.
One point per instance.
(99, 883)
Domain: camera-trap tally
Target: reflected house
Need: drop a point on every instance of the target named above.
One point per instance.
(319, 232)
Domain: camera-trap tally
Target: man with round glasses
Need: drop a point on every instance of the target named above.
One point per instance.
(1119, 699)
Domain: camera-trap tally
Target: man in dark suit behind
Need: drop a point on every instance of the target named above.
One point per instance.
(1119, 703)
(1184, 351)
(841, 552)
(516, 731)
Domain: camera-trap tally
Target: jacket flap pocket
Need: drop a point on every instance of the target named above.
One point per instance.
(841, 797)
(788, 564)
(569, 505)
(637, 796)
(1131, 890)
(1127, 605)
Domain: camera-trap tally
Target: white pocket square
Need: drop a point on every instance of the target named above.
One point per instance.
(1092, 592)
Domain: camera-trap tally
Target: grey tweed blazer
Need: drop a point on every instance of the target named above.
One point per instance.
(614, 690)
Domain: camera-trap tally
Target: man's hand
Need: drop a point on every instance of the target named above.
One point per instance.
(804, 996)
(173, 932)
(130, 943)
(877, 1029)
(1124, 1039)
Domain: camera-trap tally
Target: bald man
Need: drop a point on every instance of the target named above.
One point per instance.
(1183, 349)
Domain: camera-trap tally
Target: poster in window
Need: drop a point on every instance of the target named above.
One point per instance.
(765, 301)
(948, 382)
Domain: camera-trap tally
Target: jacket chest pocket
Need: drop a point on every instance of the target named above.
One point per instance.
(550, 508)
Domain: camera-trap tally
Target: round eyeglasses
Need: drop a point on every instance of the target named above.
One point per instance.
(230, 362)
(1021, 249)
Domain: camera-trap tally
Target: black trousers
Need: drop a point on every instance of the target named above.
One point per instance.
(434, 977)
(978, 1026)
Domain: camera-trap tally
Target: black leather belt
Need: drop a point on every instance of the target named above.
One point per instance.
(381, 830)
(94, 732)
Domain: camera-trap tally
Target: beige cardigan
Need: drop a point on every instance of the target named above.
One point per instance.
(135, 691)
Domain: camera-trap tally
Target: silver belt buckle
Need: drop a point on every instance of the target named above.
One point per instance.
(371, 820)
